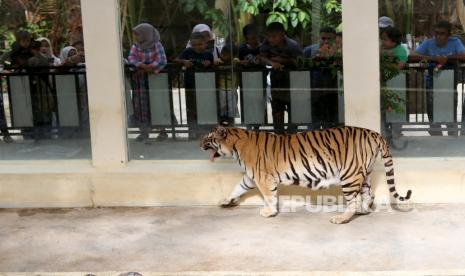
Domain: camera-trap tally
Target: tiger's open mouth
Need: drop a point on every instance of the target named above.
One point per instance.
(213, 155)
(213, 152)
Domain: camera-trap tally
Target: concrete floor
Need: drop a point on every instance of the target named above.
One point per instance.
(428, 239)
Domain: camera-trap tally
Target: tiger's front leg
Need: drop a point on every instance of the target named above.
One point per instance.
(269, 190)
(243, 186)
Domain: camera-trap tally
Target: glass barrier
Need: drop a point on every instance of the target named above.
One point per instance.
(422, 74)
(186, 71)
(43, 95)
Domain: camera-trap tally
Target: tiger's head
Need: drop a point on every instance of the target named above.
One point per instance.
(217, 142)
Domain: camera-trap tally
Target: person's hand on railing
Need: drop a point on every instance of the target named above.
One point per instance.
(244, 62)
(187, 63)
(218, 61)
(146, 68)
(206, 63)
(441, 59)
(277, 65)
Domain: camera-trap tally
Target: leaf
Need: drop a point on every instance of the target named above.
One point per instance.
(287, 7)
(276, 4)
(294, 22)
(251, 10)
(302, 16)
(271, 18)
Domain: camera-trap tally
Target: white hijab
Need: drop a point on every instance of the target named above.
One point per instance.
(56, 61)
(200, 28)
(65, 52)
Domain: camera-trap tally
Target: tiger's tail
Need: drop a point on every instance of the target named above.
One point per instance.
(389, 168)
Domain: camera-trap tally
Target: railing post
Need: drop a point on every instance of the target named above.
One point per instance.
(105, 82)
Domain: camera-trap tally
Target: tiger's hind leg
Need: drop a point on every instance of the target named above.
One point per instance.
(351, 189)
(366, 203)
(245, 184)
(269, 190)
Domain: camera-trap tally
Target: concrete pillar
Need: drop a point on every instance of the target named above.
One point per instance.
(102, 37)
(361, 63)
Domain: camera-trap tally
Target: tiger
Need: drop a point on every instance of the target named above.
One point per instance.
(342, 156)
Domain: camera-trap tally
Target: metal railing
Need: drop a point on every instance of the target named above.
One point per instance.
(430, 100)
(169, 104)
(41, 101)
(54, 99)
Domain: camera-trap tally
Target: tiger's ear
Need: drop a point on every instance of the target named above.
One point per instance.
(221, 131)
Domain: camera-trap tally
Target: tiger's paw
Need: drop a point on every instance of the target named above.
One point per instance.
(268, 212)
(339, 219)
(228, 203)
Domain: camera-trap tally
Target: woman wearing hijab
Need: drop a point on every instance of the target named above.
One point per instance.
(47, 51)
(209, 37)
(68, 56)
(148, 56)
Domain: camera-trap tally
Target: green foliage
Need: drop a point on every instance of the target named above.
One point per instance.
(390, 100)
(216, 16)
(37, 30)
(293, 13)
(6, 36)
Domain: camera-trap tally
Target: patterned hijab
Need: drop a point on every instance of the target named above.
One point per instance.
(65, 52)
(149, 36)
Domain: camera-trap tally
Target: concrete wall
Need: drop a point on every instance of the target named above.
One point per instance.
(79, 184)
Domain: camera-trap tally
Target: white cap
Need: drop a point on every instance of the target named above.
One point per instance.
(385, 21)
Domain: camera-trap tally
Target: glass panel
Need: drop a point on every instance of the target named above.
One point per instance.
(43, 94)
(231, 62)
(422, 72)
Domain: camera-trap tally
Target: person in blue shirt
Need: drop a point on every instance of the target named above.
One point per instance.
(442, 48)
(438, 51)
(327, 37)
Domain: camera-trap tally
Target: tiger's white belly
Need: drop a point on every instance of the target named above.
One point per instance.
(323, 184)
(326, 183)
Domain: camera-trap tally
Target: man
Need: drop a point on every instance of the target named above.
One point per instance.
(324, 82)
(280, 52)
(327, 37)
(442, 49)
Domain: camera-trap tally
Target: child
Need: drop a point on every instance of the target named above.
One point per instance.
(68, 56)
(38, 59)
(195, 57)
(47, 51)
(148, 56)
(249, 51)
(227, 87)
(42, 99)
(210, 38)
(79, 45)
(390, 41)
(21, 49)
(280, 52)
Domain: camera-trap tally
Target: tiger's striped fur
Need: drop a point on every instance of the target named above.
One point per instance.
(314, 159)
